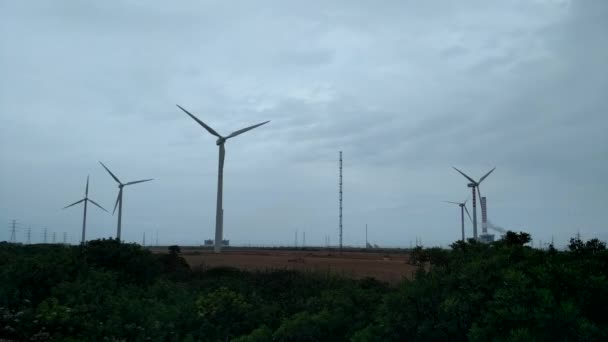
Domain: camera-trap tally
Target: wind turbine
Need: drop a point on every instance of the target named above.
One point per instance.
(219, 213)
(119, 197)
(475, 184)
(463, 208)
(85, 200)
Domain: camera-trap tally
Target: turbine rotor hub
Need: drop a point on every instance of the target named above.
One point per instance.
(220, 141)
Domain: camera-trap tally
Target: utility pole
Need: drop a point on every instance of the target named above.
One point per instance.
(366, 236)
(14, 231)
(340, 200)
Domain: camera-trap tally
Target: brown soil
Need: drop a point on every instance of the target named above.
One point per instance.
(385, 267)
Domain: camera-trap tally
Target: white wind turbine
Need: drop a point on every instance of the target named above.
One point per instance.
(475, 184)
(86, 199)
(463, 208)
(119, 198)
(219, 213)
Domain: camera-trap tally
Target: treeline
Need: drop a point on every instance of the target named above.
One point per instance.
(108, 291)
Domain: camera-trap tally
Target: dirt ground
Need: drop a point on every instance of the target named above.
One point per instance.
(389, 267)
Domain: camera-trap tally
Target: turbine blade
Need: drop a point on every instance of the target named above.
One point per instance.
(222, 156)
(452, 202)
(486, 175)
(467, 210)
(479, 193)
(209, 129)
(241, 131)
(139, 181)
(465, 202)
(462, 173)
(86, 191)
(117, 199)
(73, 204)
(110, 172)
(100, 207)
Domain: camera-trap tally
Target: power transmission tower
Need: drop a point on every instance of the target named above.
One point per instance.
(296, 241)
(29, 235)
(54, 237)
(65, 238)
(340, 200)
(157, 238)
(144, 242)
(45, 231)
(13, 228)
(304, 240)
(366, 236)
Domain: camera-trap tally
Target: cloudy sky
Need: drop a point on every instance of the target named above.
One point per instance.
(407, 89)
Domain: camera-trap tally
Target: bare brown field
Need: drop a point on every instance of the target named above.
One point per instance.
(390, 267)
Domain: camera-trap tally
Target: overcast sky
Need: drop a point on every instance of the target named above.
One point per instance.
(407, 89)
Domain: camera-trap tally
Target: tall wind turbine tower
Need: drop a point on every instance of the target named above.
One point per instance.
(119, 198)
(86, 199)
(221, 140)
(475, 185)
(340, 202)
(463, 208)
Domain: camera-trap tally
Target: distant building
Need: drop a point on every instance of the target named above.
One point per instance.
(211, 243)
(486, 238)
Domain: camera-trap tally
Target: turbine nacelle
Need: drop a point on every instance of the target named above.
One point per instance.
(220, 141)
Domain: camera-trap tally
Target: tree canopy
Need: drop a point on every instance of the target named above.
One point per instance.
(107, 290)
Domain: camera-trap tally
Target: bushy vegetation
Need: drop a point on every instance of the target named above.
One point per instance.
(108, 291)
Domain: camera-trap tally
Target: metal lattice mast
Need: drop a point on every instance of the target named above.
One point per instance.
(54, 235)
(45, 235)
(340, 202)
(29, 235)
(14, 231)
(65, 238)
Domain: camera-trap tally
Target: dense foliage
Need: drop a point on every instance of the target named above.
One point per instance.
(108, 291)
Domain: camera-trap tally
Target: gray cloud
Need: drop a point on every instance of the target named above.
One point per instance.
(406, 89)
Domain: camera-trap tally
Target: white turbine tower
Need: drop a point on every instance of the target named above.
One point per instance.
(85, 200)
(119, 198)
(475, 184)
(219, 213)
(463, 208)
